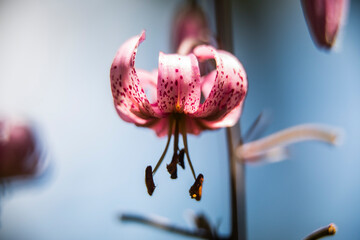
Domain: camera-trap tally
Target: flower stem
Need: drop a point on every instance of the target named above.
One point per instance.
(164, 226)
(237, 171)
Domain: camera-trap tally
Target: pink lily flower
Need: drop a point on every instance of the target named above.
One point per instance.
(324, 18)
(176, 108)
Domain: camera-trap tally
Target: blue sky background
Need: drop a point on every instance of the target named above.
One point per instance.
(55, 58)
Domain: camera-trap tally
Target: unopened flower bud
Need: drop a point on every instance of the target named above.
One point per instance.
(190, 23)
(324, 18)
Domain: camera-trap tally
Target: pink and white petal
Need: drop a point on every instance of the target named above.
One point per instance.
(149, 83)
(129, 97)
(228, 121)
(207, 82)
(161, 127)
(178, 83)
(229, 88)
(193, 126)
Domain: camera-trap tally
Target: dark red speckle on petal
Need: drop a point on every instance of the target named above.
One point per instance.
(176, 70)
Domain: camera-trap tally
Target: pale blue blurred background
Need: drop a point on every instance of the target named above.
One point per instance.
(54, 69)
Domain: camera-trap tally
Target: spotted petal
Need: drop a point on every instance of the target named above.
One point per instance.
(178, 83)
(130, 99)
(228, 90)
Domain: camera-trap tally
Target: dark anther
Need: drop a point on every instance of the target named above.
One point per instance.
(149, 181)
(181, 158)
(196, 189)
(172, 168)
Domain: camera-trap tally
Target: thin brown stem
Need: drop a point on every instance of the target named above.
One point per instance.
(165, 226)
(237, 171)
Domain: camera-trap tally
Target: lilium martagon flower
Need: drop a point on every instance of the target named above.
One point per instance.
(176, 108)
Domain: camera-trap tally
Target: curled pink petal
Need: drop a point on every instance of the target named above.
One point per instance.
(228, 120)
(149, 83)
(229, 88)
(130, 99)
(178, 83)
(207, 82)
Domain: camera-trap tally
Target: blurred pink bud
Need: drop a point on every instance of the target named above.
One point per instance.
(190, 23)
(19, 156)
(324, 18)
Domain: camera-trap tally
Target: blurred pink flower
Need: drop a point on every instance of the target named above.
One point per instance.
(324, 18)
(176, 107)
(189, 23)
(19, 155)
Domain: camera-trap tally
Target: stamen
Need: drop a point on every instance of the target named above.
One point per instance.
(172, 167)
(181, 158)
(183, 132)
(255, 149)
(166, 147)
(149, 181)
(322, 232)
(196, 189)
